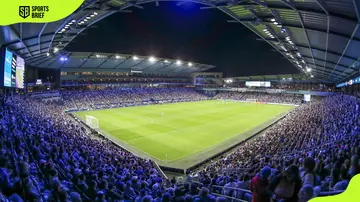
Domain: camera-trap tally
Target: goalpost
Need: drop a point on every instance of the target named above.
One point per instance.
(92, 121)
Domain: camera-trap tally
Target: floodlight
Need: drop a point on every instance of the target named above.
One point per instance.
(135, 57)
(63, 59)
(152, 59)
(97, 55)
(178, 62)
(312, 76)
(48, 54)
(166, 61)
(117, 57)
(308, 69)
(56, 49)
(190, 64)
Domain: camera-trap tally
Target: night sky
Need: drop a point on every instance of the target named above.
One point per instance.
(184, 32)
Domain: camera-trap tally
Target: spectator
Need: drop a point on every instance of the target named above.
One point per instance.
(259, 184)
(308, 176)
(306, 193)
(286, 185)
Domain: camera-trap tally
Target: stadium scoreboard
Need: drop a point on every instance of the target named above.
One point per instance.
(12, 69)
(258, 84)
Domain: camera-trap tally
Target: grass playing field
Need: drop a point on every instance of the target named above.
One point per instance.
(186, 128)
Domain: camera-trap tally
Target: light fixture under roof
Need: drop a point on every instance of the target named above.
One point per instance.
(56, 49)
(48, 54)
(73, 20)
(308, 69)
(117, 57)
(190, 64)
(166, 61)
(135, 57)
(275, 23)
(95, 13)
(312, 76)
(265, 30)
(273, 20)
(85, 20)
(152, 59)
(279, 26)
(92, 15)
(63, 58)
(178, 62)
(88, 18)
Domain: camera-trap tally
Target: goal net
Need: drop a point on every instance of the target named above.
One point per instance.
(92, 121)
(250, 100)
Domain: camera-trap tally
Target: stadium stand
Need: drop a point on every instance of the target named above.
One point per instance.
(47, 155)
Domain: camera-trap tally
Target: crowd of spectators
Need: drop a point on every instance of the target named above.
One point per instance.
(48, 156)
(261, 97)
(93, 99)
(314, 148)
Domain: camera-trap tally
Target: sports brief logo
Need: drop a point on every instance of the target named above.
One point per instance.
(24, 11)
(34, 11)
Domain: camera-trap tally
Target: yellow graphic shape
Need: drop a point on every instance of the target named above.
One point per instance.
(37, 11)
(351, 194)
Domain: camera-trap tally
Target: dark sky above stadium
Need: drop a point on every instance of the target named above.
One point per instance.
(188, 33)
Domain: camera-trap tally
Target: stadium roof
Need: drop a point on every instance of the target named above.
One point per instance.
(319, 37)
(87, 61)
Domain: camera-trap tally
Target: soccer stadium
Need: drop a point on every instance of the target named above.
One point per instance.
(182, 101)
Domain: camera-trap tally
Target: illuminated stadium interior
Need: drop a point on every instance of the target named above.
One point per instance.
(122, 126)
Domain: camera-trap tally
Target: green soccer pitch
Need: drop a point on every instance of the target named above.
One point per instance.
(188, 131)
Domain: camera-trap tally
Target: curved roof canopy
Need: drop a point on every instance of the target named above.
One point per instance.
(88, 61)
(320, 37)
